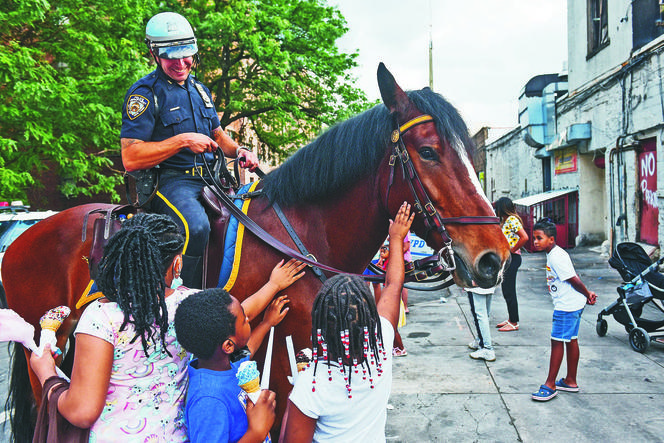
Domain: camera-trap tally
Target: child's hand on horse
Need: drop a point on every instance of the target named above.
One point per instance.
(284, 275)
(401, 224)
(276, 310)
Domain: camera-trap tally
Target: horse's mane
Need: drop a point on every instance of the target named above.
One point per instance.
(352, 150)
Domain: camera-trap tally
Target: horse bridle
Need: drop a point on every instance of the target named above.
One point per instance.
(419, 270)
(422, 203)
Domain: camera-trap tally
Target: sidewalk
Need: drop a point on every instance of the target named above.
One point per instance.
(440, 394)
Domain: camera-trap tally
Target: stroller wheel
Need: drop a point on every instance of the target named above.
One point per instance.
(639, 339)
(601, 327)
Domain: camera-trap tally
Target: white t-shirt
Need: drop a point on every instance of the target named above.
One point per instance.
(559, 268)
(342, 419)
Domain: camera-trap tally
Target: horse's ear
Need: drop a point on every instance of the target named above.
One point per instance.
(393, 96)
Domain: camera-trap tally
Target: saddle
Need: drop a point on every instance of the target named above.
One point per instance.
(213, 257)
(111, 220)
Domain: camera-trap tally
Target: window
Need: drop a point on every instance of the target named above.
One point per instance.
(647, 23)
(598, 27)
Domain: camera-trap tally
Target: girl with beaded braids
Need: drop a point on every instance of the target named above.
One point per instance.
(129, 372)
(342, 395)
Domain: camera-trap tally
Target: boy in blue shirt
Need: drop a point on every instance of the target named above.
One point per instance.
(213, 326)
(569, 296)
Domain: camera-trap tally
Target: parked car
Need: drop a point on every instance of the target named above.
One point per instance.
(15, 218)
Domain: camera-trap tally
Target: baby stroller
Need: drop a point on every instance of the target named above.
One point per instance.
(639, 306)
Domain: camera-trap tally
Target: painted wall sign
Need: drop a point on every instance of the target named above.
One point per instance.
(565, 160)
(648, 186)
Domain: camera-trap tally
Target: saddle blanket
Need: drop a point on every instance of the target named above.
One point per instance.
(233, 242)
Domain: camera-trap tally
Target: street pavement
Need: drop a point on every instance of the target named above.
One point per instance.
(440, 394)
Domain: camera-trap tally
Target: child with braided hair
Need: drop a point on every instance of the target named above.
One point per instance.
(129, 372)
(129, 376)
(343, 395)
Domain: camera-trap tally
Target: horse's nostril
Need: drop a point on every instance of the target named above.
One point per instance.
(488, 266)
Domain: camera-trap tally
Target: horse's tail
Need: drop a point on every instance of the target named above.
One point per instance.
(20, 404)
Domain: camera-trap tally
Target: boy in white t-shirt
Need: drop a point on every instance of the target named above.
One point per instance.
(569, 296)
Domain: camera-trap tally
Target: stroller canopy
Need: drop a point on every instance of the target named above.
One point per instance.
(629, 259)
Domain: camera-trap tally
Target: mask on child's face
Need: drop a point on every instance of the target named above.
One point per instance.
(239, 353)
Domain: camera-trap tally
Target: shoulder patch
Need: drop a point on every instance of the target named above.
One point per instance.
(136, 105)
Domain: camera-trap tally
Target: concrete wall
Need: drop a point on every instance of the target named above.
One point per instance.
(623, 108)
(582, 71)
(511, 169)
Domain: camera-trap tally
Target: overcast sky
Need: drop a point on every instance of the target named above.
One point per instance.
(483, 51)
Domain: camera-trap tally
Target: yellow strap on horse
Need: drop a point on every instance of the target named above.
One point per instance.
(86, 297)
(414, 122)
(238, 243)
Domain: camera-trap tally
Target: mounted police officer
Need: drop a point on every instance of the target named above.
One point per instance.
(169, 122)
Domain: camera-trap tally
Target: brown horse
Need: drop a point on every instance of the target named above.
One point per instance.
(338, 192)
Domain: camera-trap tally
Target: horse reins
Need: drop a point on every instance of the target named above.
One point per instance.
(419, 270)
(432, 219)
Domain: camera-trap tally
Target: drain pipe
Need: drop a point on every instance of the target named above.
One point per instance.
(619, 219)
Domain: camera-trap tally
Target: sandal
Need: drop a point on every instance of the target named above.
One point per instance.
(502, 323)
(509, 327)
(545, 393)
(562, 386)
(398, 352)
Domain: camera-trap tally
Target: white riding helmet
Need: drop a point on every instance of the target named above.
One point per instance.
(169, 35)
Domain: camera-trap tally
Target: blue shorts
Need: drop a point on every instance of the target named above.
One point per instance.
(565, 326)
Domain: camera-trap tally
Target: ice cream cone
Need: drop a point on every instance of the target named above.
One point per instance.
(50, 322)
(54, 318)
(249, 379)
(253, 389)
(303, 359)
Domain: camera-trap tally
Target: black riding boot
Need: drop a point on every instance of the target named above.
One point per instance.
(192, 271)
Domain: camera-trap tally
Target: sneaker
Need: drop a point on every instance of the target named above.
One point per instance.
(483, 354)
(474, 345)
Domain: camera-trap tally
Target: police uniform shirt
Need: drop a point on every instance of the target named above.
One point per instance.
(177, 109)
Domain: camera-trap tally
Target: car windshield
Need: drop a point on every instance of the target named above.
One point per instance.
(10, 230)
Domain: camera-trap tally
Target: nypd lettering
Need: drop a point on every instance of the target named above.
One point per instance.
(136, 105)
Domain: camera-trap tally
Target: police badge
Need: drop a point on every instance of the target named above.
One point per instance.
(136, 105)
(204, 96)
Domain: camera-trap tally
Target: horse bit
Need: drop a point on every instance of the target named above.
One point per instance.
(444, 260)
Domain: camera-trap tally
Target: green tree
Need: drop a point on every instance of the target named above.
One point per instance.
(276, 64)
(65, 66)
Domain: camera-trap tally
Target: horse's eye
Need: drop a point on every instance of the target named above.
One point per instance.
(428, 153)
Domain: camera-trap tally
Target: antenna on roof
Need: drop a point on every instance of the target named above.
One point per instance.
(430, 46)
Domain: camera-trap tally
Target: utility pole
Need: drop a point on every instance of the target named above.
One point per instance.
(430, 46)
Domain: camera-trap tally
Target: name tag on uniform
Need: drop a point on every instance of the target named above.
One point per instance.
(204, 96)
